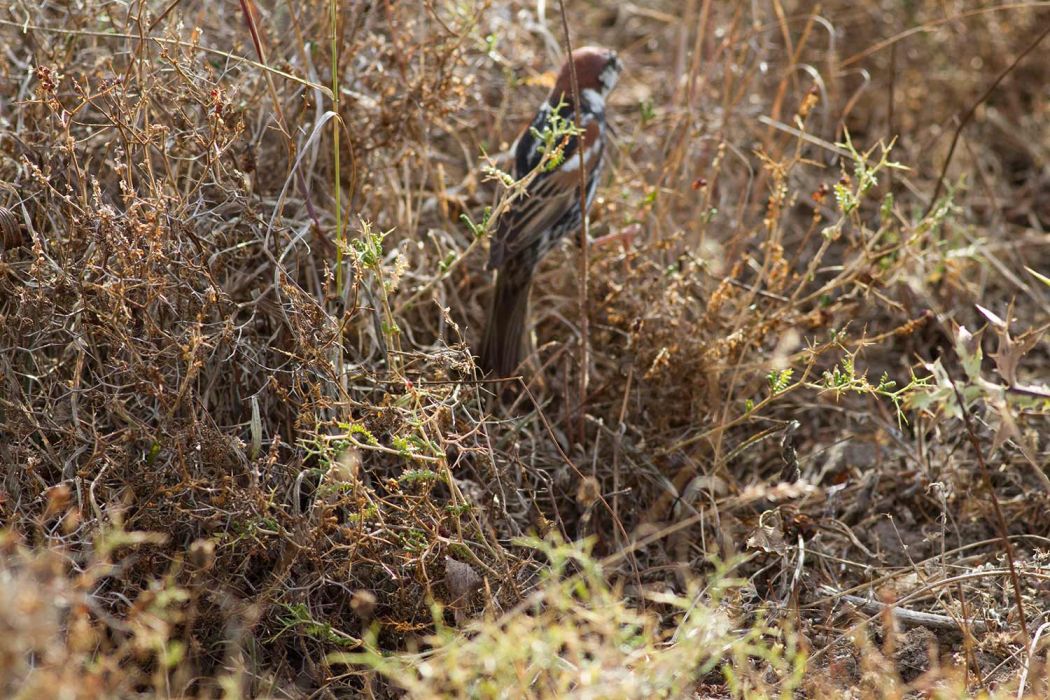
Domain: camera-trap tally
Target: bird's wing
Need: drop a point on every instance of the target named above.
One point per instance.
(549, 198)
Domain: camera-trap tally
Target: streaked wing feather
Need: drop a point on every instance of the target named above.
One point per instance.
(526, 223)
(551, 199)
(526, 154)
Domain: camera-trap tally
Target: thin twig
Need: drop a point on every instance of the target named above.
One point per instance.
(969, 115)
(908, 617)
(582, 280)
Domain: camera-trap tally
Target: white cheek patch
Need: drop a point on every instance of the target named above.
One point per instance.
(609, 75)
(595, 102)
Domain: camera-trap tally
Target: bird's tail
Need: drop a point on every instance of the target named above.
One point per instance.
(501, 346)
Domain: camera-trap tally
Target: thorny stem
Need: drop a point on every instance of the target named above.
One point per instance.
(1000, 522)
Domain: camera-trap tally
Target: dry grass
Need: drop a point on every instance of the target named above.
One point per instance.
(245, 449)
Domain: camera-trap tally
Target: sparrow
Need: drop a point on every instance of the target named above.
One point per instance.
(550, 208)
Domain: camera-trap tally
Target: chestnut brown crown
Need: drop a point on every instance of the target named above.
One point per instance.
(597, 69)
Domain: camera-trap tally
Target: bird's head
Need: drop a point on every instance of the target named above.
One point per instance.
(597, 69)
